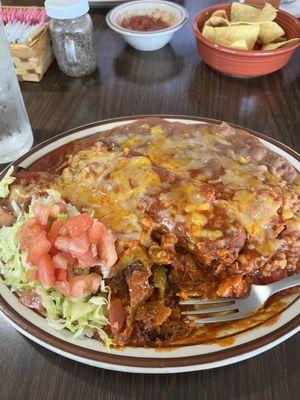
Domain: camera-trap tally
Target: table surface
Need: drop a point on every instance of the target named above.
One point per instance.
(172, 80)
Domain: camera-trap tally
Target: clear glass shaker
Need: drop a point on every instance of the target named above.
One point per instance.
(15, 131)
(71, 31)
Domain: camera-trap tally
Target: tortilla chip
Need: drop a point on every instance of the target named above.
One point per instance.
(231, 34)
(209, 32)
(217, 21)
(277, 45)
(239, 45)
(248, 25)
(269, 32)
(220, 13)
(238, 23)
(244, 13)
(218, 18)
(280, 39)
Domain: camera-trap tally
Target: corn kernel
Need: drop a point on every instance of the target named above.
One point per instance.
(242, 258)
(157, 132)
(199, 219)
(287, 214)
(297, 190)
(203, 206)
(191, 246)
(197, 207)
(242, 160)
(126, 151)
(205, 233)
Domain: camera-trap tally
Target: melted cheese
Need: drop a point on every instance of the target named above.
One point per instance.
(117, 185)
(256, 212)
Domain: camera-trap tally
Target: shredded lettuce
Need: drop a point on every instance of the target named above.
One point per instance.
(55, 197)
(5, 182)
(82, 317)
(13, 261)
(62, 216)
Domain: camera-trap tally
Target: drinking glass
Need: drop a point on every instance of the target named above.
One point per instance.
(15, 131)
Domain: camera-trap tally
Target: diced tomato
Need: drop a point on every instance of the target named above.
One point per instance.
(63, 231)
(32, 274)
(64, 287)
(94, 281)
(96, 232)
(85, 284)
(46, 272)
(71, 261)
(32, 222)
(60, 261)
(79, 287)
(76, 246)
(94, 250)
(54, 231)
(33, 240)
(79, 245)
(63, 260)
(30, 229)
(37, 248)
(107, 253)
(87, 259)
(42, 213)
(78, 224)
(61, 274)
(116, 315)
(53, 251)
(63, 243)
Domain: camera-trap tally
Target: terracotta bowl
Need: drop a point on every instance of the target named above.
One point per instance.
(241, 63)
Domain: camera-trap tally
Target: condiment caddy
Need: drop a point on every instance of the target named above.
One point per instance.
(30, 48)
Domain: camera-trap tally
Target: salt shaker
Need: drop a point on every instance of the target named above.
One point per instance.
(71, 31)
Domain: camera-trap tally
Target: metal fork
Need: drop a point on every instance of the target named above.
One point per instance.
(237, 308)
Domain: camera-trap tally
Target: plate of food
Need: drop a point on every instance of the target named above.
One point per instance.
(106, 228)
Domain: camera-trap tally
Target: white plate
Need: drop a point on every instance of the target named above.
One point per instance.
(233, 347)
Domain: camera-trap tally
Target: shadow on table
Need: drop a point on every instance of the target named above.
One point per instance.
(148, 68)
(56, 82)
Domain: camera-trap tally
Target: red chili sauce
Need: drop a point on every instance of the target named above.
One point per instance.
(144, 23)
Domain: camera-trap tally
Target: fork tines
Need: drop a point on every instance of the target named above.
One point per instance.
(227, 306)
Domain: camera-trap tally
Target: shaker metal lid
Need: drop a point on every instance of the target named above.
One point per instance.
(66, 9)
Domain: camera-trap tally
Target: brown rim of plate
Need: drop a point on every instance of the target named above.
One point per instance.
(145, 362)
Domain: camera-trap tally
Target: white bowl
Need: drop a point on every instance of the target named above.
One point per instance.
(170, 12)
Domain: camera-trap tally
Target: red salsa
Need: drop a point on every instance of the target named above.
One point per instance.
(144, 23)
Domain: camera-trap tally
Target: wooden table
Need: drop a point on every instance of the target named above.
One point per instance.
(172, 81)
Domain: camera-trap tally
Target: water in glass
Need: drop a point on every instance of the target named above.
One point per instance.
(15, 131)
